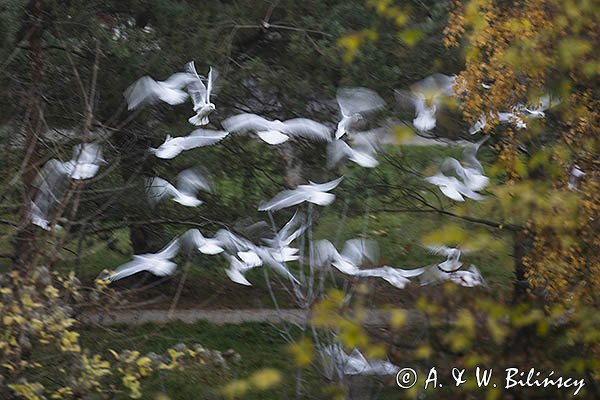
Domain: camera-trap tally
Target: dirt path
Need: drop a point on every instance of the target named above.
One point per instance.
(218, 317)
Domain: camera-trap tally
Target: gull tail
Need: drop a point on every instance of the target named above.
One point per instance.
(198, 120)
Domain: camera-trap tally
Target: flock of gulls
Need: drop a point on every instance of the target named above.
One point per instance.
(272, 249)
(456, 179)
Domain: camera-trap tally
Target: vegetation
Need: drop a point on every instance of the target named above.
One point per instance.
(64, 66)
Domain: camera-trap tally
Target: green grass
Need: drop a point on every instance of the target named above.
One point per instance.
(260, 346)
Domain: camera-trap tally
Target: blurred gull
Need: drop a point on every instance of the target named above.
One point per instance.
(237, 270)
(576, 175)
(148, 91)
(363, 153)
(538, 110)
(453, 188)
(337, 362)
(279, 245)
(200, 94)
(159, 264)
(277, 132)
(470, 278)
(396, 277)
(426, 97)
(189, 182)
(353, 103)
(315, 193)
(355, 253)
(244, 255)
(52, 180)
(231, 242)
(479, 125)
(512, 118)
(452, 263)
(198, 138)
(193, 238)
(86, 161)
(40, 213)
(260, 255)
(471, 174)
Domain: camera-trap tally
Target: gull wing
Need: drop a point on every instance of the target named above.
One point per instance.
(388, 274)
(325, 252)
(213, 74)
(337, 151)
(250, 258)
(180, 80)
(169, 251)
(236, 271)
(364, 159)
(407, 273)
(470, 155)
(158, 188)
(144, 90)
(202, 137)
(279, 267)
(307, 128)
(246, 123)
(140, 263)
(87, 153)
(353, 100)
(382, 367)
(448, 185)
(467, 192)
(324, 187)
(192, 239)
(231, 242)
(193, 179)
(441, 250)
(285, 234)
(286, 198)
(83, 171)
(367, 142)
(451, 166)
(452, 193)
(127, 269)
(320, 198)
(477, 275)
(272, 137)
(434, 85)
(360, 251)
(196, 88)
(475, 180)
(52, 180)
(39, 217)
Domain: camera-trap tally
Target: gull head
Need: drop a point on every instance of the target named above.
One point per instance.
(356, 117)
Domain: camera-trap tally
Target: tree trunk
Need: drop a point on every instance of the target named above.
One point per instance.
(134, 168)
(520, 244)
(25, 246)
(293, 165)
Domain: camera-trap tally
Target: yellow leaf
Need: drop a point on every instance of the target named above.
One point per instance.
(265, 378)
(235, 389)
(302, 351)
(398, 318)
(410, 37)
